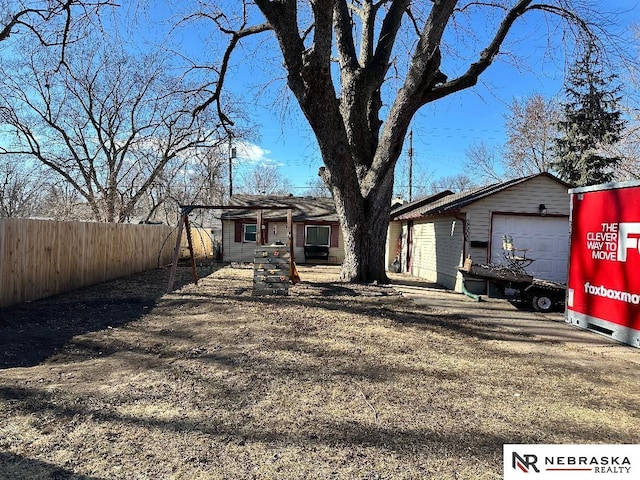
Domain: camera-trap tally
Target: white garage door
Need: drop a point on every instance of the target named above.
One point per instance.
(546, 238)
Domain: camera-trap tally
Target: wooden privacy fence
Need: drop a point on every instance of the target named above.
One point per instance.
(40, 258)
(203, 246)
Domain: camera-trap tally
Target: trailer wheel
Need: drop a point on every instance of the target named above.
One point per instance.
(542, 303)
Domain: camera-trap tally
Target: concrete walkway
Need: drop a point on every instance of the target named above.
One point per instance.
(502, 314)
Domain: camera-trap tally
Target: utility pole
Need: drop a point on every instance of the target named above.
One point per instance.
(232, 155)
(410, 164)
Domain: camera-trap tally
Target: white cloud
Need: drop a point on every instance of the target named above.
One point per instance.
(252, 154)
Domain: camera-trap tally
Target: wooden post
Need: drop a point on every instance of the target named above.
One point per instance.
(294, 276)
(290, 235)
(176, 253)
(259, 229)
(194, 271)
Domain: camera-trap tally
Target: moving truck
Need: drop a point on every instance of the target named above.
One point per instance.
(603, 289)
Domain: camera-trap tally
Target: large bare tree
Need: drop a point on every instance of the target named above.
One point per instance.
(485, 163)
(530, 125)
(52, 22)
(361, 69)
(110, 124)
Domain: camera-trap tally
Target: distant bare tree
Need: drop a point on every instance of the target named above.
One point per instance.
(109, 124)
(21, 188)
(628, 151)
(63, 203)
(531, 127)
(456, 183)
(200, 181)
(316, 188)
(484, 164)
(264, 180)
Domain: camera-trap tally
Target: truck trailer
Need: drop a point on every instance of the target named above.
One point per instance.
(603, 288)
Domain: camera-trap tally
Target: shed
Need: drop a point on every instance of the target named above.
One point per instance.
(317, 237)
(431, 238)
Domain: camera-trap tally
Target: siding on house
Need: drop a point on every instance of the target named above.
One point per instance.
(404, 260)
(521, 199)
(438, 243)
(304, 211)
(244, 251)
(336, 249)
(393, 234)
(437, 250)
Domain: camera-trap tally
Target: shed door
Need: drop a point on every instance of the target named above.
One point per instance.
(547, 239)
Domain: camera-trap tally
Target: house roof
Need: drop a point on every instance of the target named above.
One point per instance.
(409, 207)
(315, 209)
(452, 203)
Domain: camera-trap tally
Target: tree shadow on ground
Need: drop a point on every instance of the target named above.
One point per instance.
(17, 467)
(435, 437)
(334, 297)
(335, 432)
(32, 332)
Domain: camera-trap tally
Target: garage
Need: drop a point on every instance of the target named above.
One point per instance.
(449, 229)
(546, 239)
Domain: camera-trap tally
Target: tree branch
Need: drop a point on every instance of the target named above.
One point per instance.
(487, 56)
(283, 18)
(16, 19)
(389, 31)
(344, 36)
(236, 36)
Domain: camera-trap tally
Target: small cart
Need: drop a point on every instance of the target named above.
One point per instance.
(542, 295)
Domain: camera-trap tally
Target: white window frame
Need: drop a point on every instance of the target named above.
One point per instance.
(306, 235)
(254, 233)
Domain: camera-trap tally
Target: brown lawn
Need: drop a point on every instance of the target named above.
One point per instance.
(335, 381)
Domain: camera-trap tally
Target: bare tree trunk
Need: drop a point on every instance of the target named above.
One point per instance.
(358, 147)
(364, 223)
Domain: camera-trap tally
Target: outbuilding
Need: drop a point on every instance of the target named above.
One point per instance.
(431, 238)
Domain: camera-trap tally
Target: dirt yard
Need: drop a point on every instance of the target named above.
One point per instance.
(335, 381)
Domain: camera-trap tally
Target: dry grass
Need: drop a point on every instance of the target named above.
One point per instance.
(334, 381)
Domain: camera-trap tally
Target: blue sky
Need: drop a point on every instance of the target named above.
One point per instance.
(442, 131)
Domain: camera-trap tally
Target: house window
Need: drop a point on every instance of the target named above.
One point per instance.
(317, 235)
(249, 233)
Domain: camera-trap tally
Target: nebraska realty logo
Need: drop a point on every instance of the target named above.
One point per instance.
(549, 462)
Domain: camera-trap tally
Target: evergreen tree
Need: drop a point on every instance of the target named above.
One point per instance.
(590, 121)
